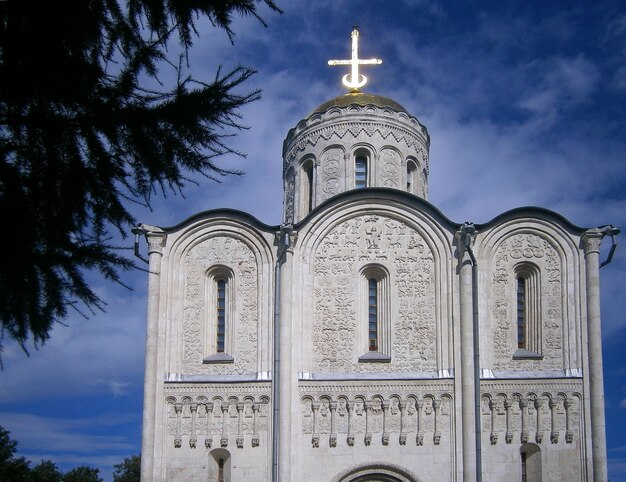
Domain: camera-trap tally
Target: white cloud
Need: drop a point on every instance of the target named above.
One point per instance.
(619, 79)
(108, 346)
(116, 387)
(557, 84)
(58, 435)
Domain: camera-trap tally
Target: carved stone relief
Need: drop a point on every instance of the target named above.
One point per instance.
(352, 130)
(537, 250)
(290, 190)
(211, 421)
(379, 420)
(389, 168)
(239, 257)
(348, 247)
(545, 418)
(332, 173)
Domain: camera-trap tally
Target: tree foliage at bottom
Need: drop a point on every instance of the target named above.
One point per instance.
(129, 470)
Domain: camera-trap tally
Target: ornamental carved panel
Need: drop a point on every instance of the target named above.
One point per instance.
(217, 419)
(547, 412)
(234, 253)
(348, 247)
(332, 173)
(548, 418)
(347, 131)
(354, 418)
(389, 173)
(290, 192)
(533, 249)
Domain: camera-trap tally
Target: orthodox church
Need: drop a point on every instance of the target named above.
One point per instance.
(368, 337)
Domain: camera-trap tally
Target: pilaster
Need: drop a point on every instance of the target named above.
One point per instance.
(591, 240)
(287, 377)
(467, 357)
(156, 241)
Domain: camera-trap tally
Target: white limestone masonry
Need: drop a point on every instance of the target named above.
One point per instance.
(375, 315)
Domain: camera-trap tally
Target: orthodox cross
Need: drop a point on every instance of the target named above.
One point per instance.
(354, 80)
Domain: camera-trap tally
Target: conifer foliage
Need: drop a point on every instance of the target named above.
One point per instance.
(81, 136)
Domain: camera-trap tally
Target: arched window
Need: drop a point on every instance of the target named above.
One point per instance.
(372, 316)
(521, 311)
(307, 187)
(360, 171)
(219, 315)
(528, 311)
(375, 308)
(411, 176)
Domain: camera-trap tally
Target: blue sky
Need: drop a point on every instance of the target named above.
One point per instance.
(525, 103)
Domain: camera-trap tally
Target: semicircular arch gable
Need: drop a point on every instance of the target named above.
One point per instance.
(222, 227)
(489, 242)
(427, 227)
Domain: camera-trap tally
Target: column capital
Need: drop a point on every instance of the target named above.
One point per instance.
(155, 237)
(592, 239)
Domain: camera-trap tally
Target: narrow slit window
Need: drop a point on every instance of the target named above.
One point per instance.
(308, 171)
(360, 172)
(524, 474)
(521, 312)
(527, 313)
(411, 173)
(372, 289)
(374, 333)
(221, 315)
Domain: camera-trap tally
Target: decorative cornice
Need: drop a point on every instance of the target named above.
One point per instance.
(532, 385)
(326, 387)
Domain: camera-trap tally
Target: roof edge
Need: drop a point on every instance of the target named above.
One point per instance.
(221, 212)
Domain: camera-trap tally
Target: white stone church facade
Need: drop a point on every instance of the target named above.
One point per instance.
(339, 345)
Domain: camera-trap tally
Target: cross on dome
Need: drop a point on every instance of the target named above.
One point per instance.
(354, 81)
